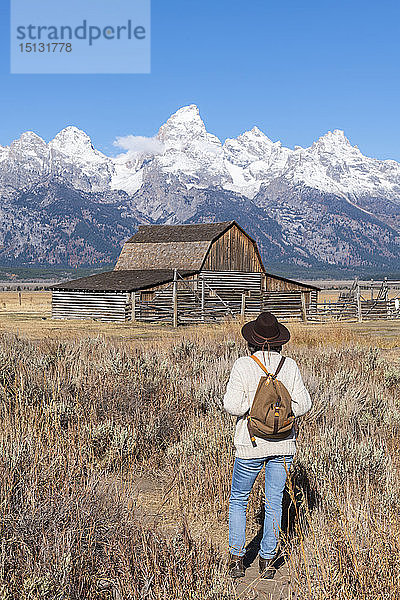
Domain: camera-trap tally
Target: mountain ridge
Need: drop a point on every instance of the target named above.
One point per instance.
(327, 204)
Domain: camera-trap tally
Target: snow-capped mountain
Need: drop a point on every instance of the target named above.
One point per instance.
(69, 155)
(326, 204)
(330, 165)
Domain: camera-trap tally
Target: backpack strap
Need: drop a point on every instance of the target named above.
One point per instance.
(258, 361)
(280, 366)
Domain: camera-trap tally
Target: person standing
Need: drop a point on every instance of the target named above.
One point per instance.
(265, 337)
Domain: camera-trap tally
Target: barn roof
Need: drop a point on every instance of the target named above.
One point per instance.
(132, 281)
(179, 233)
(172, 246)
(123, 281)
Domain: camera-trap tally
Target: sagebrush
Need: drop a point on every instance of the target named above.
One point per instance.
(82, 422)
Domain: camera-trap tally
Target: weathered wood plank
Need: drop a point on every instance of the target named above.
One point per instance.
(105, 306)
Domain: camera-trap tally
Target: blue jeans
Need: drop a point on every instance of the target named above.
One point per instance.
(245, 471)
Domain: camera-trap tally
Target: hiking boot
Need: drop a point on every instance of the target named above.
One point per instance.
(235, 566)
(266, 566)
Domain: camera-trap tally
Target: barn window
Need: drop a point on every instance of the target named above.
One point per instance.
(147, 296)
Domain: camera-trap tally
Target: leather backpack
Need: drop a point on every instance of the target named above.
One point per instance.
(270, 416)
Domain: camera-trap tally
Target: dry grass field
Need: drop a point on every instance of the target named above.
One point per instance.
(116, 462)
(26, 301)
(29, 315)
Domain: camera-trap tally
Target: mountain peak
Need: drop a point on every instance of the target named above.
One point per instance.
(187, 113)
(185, 122)
(29, 137)
(256, 130)
(334, 138)
(255, 134)
(71, 136)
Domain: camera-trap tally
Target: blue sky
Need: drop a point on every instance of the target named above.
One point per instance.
(294, 69)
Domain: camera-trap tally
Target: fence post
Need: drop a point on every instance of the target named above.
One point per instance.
(359, 308)
(202, 298)
(303, 307)
(243, 306)
(387, 298)
(133, 303)
(175, 300)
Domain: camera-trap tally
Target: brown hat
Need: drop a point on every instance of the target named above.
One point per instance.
(265, 330)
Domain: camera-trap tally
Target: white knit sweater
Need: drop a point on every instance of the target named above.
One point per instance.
(240, 392)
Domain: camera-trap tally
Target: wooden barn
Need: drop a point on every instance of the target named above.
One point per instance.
(183, 273)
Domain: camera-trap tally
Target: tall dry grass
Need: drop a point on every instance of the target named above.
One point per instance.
(77, 421)
(82, 422)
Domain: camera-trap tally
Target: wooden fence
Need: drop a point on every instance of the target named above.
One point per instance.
(206, 300)
(198, 302)
(213, 297)
(363, 302)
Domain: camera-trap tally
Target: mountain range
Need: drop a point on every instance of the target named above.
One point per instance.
(66, 203)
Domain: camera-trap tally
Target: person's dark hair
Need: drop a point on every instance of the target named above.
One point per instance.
(253, 348)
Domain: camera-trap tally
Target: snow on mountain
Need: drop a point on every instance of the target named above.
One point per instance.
(187, 154)
(24, 161)
(256, 159)
(190, 151)
(71, 155)
(126, 176)
(349, 171)
(198, 158)
(327, 203)
(194, 157)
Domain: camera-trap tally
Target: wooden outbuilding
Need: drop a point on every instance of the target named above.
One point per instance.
(184, 273)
